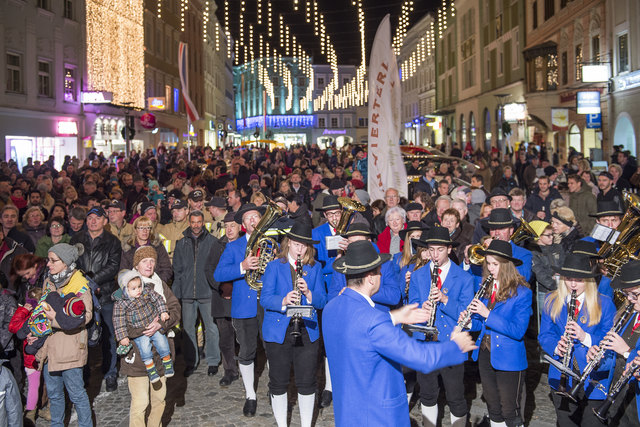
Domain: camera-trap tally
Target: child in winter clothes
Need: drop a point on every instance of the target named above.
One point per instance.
(137, 308)
(154, 192)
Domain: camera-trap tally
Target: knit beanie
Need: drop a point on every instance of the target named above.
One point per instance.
(144, 252)
(363, 196)
(67, 253)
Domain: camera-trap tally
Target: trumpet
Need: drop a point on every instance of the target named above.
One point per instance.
(624, 317)
(523, 232)
(566, 359)
(482, 291)
(297, 318)
(602, 410)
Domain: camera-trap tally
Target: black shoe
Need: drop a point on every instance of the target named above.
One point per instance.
(212, 370)
(250, 406)
(326, 398)
(189, 371)
(112, 384)
(227, 379)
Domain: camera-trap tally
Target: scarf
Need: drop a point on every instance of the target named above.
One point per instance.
(60, 278)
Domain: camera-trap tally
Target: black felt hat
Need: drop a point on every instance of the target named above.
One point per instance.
(301, 232)
(500, 218)
(412, 226)
(496, 192)
(607, 208)
(330, 202)
(586, 248)
(502, 249)
(218, 202)
(440, 236)
(576, 265)
(360, 257)
(358, 229)
(413, 206)
(629, 276)
(246, 208)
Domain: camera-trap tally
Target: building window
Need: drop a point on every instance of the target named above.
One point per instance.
(552, 72)
(347, 121)
(44, 4)
(302, 81)
(595, 49)
(563, 3)
(623, 53)
(579, 63)
(334, 122)
(534, 14)
(320, 81)
(14, 73)
(68, 9)
(44, 78)
(565, 69)
(515, 45)
(345, 80)
(322, 122)
(363, 122)
(549, 8)
(543, 72)
(275, 80)
(276, 102)
(69, 84)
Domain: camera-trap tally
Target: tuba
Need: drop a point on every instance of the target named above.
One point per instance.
(349, 207)
(523, 232)
(265, 248)
(628, 242)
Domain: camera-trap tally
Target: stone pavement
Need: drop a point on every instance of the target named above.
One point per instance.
(200, 401)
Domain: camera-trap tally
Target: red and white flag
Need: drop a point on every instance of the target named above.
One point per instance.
(183, 67)
(386, 167)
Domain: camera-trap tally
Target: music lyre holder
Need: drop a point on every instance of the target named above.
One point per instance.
(430, 333)
(305, 311)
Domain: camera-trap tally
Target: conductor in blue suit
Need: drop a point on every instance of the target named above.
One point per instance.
(289, 340)
(366, 348)
(245, 315)
(452, 293)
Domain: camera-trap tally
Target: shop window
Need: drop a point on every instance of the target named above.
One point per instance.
(487, 129)
(472, 129)
(44, 78)
(14, 72)
(463, 131)
(623, 53)
(68, 9)
(69, 84)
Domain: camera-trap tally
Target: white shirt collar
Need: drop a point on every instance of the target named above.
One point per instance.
(580, 299)
(292, 260)
(368, 298)
(444, 270)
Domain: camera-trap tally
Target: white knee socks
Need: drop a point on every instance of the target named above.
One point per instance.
(279, 405)
(429, 415)
(246, 371)
(458, 421)
(496, 424)
(327, 385)
(306, 403)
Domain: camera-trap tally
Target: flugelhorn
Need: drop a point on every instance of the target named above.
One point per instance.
(523, 232)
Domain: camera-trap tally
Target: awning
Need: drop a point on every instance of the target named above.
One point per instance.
(543, 49)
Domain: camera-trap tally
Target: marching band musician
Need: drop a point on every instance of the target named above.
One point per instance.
(609, 214)
(593, 319)
(626, 345)
(453, 293)
(501, 226)
(284, 349)
(588, 248)
(417, 260)
(366, 350)
(331, 210)
(403, 258)
(245, 314)
(502, 317)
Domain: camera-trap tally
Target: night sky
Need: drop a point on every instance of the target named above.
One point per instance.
(340, 18)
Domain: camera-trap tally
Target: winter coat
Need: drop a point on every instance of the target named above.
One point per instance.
(583, 203)
(100, 261)
(10, 399)
(384, 241)
(163, 263)
(463, 235)
(189, 265)
(67, 349)
(8, 307)
(35, 233)
(14, 248)
(136, 312)
(131, 365)
(17, 321)
(543, 260)
(535, 203)
(45, 243)
(220, 306)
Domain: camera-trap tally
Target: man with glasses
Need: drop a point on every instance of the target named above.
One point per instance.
(498, 199)
(101, 262)
(117, 224)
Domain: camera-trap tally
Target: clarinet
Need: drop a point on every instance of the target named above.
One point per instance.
(462, 324)
(566, 359)
(297, 318)
(434, 285)
(602, 410)
(624, 317)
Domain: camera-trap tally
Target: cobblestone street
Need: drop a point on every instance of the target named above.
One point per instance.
(200, 401)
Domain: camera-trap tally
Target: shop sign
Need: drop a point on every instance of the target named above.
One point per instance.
(96, 97)
(148, 121)
(334, 132)
(588, 102)
(515, 111)
(67, 128)
(595, 73)
(628, 81)
(594, 121)
(560, 119)
(157, 103)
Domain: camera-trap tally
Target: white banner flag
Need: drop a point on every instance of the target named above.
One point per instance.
(386, 167)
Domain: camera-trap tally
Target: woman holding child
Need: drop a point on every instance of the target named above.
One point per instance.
(143, 393)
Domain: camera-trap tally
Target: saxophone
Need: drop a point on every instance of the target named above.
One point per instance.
(624, 317)
(602, 410)
(261, 246)
(566, 359)
(463, 323)
(297, 318)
